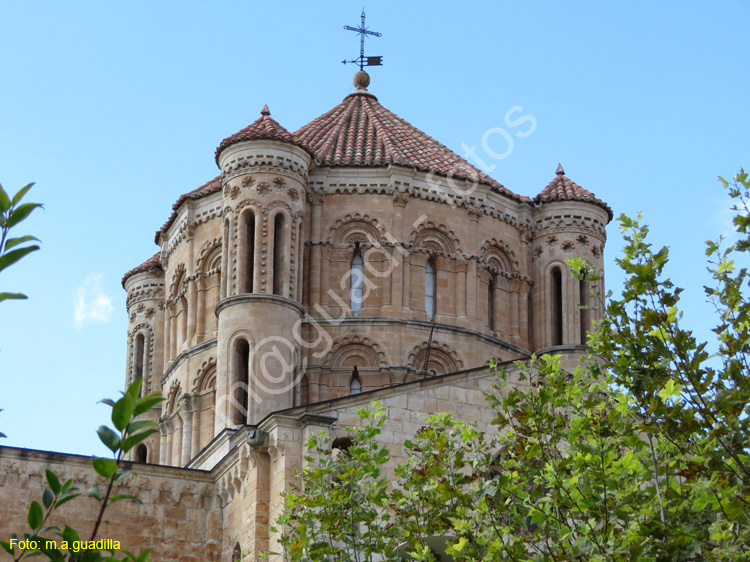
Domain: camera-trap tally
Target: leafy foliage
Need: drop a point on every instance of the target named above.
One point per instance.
(128, 433)
(12, 213)
(641, 453)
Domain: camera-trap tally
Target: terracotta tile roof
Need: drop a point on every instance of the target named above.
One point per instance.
(154, 262)
(263, 128)
(361, 132)
(564, 189)
(206, 189)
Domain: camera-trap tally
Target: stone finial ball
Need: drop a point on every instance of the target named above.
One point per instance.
(361, 79)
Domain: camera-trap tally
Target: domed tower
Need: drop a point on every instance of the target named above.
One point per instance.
(264, 185)
(568, 222)
(145, 287)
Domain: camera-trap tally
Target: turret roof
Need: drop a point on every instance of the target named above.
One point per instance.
(265, 127)
(564, 189)
(154, 262)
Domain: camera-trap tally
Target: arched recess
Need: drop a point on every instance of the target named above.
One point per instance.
(178, 312)
(279, 254)
(440, 361)
(438, 239)
(503, 289)
(208, 265)
(556, 305)
(362, 353)
(204, 391)
(141, 356)
(174, 437)
(141, 453)
(355, 228)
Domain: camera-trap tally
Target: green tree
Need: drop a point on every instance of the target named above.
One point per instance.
(13, 212)
(639, 454)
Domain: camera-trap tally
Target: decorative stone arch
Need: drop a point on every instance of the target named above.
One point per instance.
(147, 331)
(355, 353)
(278, 258)
(351, 351)
(173, 397)
(442, 359)
(437, 239)
(207, 256)
(205, 378)
(499, 256)
(179, 279)
(559, 307)
(354, 229)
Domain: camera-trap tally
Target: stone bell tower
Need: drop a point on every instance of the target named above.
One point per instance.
(264, 185)
(568, 222)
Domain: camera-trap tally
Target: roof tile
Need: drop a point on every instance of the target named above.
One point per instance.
(154, 262)
(564, 189)
(265, 127)
(361, 132)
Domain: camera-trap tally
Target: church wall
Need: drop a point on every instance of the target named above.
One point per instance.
(180, 515)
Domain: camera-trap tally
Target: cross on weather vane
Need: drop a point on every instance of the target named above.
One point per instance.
(363, 61)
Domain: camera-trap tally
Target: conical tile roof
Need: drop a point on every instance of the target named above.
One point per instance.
(564, 189)
(264, 127)
(359, 132)
(154, 262)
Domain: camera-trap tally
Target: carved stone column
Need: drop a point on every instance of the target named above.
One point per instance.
(461, 268)
(316, 199)
(186, 405)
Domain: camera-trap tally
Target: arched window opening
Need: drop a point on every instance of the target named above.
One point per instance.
(224, 283)
(429, 290)
(249, 251)
(138, 358)
(141, 454)
(357, 275)
(304, 391)
(491, 303)
(557, 307)
(241, 383)
(278, 254)
(237, 553)
(342, 444)
(583, 288)
(355, 386)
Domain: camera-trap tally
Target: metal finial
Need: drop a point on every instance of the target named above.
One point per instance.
(363, 61)
(560, 171)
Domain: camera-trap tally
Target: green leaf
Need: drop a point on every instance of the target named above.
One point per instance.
(14, 296)
(136, 425)
(36, 515)
(47, 497)
(10, 242)
(21, 213)
(4, 200)
(135, 388)
(13, 256)
(53, 481)
(66, 499)
(144, 404)
(109, 438)
(18, 196)
(95, 493)
(121, 497)
(132, 440)
(122, 412)
(104, 467)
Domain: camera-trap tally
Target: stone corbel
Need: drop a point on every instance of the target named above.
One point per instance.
(165, 425)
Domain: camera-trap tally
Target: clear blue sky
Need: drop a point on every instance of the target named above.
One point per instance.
(115, 108)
